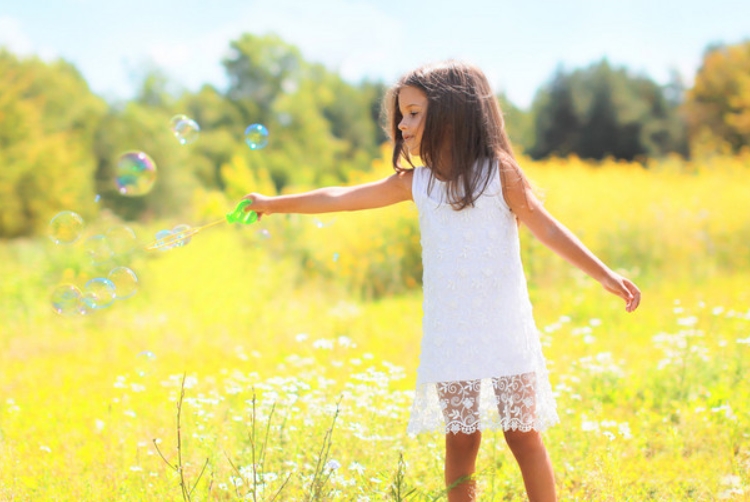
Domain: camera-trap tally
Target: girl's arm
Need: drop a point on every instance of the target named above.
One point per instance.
(557, 237)
(395, 188)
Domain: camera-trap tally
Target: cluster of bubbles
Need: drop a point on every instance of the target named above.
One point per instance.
(98, 293)
(135, 171)
(135, 174)
(120, 283)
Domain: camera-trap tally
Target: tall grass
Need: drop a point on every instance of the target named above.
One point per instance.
(299, 348)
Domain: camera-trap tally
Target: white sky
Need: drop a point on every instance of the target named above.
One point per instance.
(519, 44)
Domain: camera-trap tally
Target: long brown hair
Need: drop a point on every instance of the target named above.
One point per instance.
(463, 128)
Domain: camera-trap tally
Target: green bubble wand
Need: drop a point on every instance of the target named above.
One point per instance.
(238, 215)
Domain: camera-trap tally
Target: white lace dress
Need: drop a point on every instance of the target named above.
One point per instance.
(481, 364)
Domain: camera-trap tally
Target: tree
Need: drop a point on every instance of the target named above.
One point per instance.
(221, 126)
(602, 111)
(144, 124)
(320, 126)
(717, 107)
(48, 117)
(556, 123)
(518, 123)
(260, 68)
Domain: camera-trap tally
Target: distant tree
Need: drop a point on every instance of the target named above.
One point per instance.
(374, 93)
(260, 68)
(602, 111)
(48, 117)
(518, 123)
(717, 107)
(320, 126)
(600, 134)
(144, 124)
(556, 125)
(222, 126)
(349, 111)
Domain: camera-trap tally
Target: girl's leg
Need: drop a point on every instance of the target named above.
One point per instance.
(516, 403)
(460, 403)
(460, 464)
(536, 468)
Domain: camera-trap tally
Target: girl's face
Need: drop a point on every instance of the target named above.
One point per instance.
(412, 103)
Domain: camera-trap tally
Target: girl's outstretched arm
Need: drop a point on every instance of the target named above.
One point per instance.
(395, 188)
(557, 237)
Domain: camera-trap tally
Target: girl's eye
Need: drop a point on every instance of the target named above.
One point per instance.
(413, 114)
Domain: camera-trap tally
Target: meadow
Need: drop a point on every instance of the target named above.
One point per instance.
(275, 361)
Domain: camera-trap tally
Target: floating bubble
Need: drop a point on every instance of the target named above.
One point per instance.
(164, 240)
(182, 235)
(99, 293)
(146, 362)
(67, 300)
(121, 239)
(97, 247)
(135, 173)
(125, 281)
(256, 136)
(97, 198)
(185, 129)
(65, 227)
(264, 233)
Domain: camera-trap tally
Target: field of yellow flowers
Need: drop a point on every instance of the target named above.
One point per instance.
(275, 361)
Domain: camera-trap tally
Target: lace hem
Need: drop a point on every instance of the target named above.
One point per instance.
(517, 402)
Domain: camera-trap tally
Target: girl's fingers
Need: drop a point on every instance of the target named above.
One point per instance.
(634, 296)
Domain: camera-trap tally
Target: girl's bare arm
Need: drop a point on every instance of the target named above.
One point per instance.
(561, 240)
(381, 193)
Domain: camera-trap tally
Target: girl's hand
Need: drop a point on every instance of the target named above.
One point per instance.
(260, 204)
(625, 289)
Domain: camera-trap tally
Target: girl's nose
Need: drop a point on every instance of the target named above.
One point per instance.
(401, 125)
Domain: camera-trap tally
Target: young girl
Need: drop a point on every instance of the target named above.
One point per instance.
(481, 364)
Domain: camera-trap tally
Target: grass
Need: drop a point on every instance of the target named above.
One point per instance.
(293, 375)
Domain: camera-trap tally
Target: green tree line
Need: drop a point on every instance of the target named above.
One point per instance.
(59, 141)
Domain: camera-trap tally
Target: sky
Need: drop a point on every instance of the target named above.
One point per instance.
(518, 44)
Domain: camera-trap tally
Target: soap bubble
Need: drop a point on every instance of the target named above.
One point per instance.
(185, 129)
(97, 247)
(99, 293)
(125, 281)
(135, 173)
(182, 235)
(65, 227)
(67, 300)
(256, 136)
(121, 239)
(164, 240)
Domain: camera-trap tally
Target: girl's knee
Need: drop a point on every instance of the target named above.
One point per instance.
(463, 442)
(524, 441)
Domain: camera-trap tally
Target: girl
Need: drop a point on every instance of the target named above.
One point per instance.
(481, 364)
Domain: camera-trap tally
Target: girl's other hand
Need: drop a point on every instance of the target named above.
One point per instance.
(625, 289)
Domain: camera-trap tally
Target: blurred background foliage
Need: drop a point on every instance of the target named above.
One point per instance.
(59, 141)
